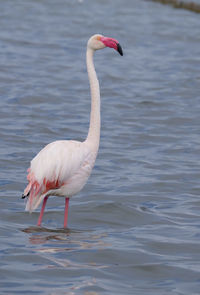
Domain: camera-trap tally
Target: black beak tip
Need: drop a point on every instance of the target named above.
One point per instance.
(119, 49)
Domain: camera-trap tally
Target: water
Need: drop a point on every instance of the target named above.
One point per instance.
(135, 228)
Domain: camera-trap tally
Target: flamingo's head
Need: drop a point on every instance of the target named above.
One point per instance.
(99, 42)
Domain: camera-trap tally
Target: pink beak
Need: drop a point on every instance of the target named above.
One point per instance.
(112, 43)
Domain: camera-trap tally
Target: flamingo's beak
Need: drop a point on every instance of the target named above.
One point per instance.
(119, 49)
(112, 43)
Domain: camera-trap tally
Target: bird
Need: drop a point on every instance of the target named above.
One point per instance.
(63, 167)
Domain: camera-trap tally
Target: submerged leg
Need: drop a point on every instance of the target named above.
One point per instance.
(42, 211)
(66, 211)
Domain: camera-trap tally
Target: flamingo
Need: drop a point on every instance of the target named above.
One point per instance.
(63, 167)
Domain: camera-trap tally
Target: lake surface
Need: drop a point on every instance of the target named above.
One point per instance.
(135, 227)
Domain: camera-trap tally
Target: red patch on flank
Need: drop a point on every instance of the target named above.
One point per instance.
(37, 189)
(50, 184)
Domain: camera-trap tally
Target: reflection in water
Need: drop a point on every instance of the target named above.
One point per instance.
(40, 235)
(58, 253)
(81, 285)
(39, 229)
(66, 263)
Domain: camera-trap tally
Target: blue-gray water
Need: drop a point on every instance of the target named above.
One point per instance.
(135, 228)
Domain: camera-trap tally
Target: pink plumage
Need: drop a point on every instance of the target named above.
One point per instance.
(62, 167)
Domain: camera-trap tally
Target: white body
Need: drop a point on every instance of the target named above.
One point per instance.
(62, 167)
(69, 162)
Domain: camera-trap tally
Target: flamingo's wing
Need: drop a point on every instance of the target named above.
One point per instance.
(52, 167)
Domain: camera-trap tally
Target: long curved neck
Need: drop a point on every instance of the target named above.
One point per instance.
(95, 119)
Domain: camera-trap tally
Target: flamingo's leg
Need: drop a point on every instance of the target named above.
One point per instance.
(42, 211)
(66, 211)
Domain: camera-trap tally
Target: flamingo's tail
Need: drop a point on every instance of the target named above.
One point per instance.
(34, 192)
